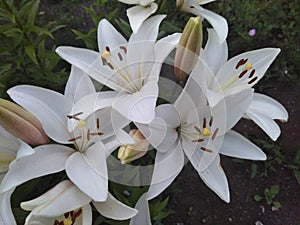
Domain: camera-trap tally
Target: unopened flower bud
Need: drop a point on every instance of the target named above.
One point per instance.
(21, 123)
(188, 48)
(129, 153)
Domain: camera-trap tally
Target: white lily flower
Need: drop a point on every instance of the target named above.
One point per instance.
(70, 119)
(192, 128)
(10, 149)
(143, 215)
(140, 12)
(131, 68)
(218, 22)
(243, 71)
(66, 204)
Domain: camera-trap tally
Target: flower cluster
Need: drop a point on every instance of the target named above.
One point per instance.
(86, 125)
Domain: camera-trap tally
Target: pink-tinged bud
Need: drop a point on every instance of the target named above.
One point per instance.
(21, 123)
(188, 49)
(129, 153)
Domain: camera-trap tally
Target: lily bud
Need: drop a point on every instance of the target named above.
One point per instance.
(21, 123)
(188, 48)
(129, 153)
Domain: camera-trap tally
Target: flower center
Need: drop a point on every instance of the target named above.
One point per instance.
(243, 72)
(116, 61)
(69, 218)
(84, 138)
(201, 135)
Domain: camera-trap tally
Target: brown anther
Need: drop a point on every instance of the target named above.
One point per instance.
(198, 140)
(75, 138)
(124, 49)
(120, 56)
(240, 63)
(215, 134)
(205, 149)
(211, 121)
(104, 61)
(76, 214)
(254, 79)
(204, 122)
(98, 123)
(252, 73)
(197, 129)
(88, 134)
(243, 73)
(107, 48)
(110, 65)
(66, 215)
(96, 133)
(74, 116)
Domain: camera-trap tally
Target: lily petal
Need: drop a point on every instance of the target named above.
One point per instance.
(88, 171)
(114, 209)
(235, 145)
(79, 85)
(6, 214)
(215, 178)
(214, 54)
(63, 198)
(139, 107)
(47, 159)
(138, 14)
(143, 216)
(109, 36)
(43, 103)
(166, 168)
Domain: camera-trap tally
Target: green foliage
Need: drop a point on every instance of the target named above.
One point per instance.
(269, 195)
(24, 56)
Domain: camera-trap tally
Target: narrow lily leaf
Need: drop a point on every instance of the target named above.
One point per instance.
(44, 104)
(114, 209)
(215, 178)
(164, 175)
(88, 171)
(79, 85)
(235, 145)
(143, 216)
(48, 159)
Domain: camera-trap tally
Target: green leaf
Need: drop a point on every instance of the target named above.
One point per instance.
(277, 204)
(297, 175)
(253, 170)
(257, 198)
(30, 51)
(33, 11)
(275, 189)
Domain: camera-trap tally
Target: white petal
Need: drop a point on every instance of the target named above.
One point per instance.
(214, 54)
(91, 63)
(7, 141)
(139, 107)
(215, 178)
(269, 107)
(109, 36)
(24, 150)
(88, 171)
(161, 132)
(79, 85)
(87, 215)
(235, 145)
(267, 124)
(260, 59)
(138, 14)
(148, 31)
(47, 159)
(114, 209)
(50, 107)
(143, 216)
(6, 214)
(167, 166)
(63, 198)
